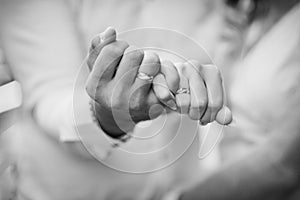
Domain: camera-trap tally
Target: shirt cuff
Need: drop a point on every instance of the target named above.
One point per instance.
(84, 129)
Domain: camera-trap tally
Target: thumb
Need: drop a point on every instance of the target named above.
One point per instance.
(97, 44)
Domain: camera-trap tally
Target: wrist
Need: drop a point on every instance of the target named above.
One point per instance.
(105, 119)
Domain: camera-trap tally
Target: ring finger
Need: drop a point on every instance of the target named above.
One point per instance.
(213, 80)
(183, 93)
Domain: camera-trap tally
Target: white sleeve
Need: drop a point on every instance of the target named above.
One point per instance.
(42, 47)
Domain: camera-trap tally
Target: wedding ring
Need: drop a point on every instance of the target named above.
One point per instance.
(144, 77)
(183, 91)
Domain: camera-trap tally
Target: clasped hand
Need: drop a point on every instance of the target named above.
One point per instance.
(129, 85)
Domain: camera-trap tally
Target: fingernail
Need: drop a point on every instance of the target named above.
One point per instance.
(109, 32)
(172, 104)
(103, 35)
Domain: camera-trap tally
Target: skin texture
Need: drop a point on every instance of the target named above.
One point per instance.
(122, 100)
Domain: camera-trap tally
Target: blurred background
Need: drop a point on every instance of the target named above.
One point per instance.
(255, 43)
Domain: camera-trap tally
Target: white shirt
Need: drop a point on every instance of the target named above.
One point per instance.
(45, 43)
(264, 92)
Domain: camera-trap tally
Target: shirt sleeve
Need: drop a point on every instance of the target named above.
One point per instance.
(43, 49)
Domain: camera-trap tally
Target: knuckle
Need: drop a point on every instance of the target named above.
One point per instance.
(164, 94)
(214, 105)
(185, 68)
(179, 66)
(195, 116)
(133, 53)
(196, 65)
(123, 44)
(138, 54)
(172, 76)
(191, 68)
(201, 103)
(211, 68)
(216, 71)
(152, 57)
(151, 63)
(115, 49)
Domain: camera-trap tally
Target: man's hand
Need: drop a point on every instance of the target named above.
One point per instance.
(165, 83)
(122, 99)
(204, 99)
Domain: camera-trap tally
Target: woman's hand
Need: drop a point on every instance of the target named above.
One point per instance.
(200, 94)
